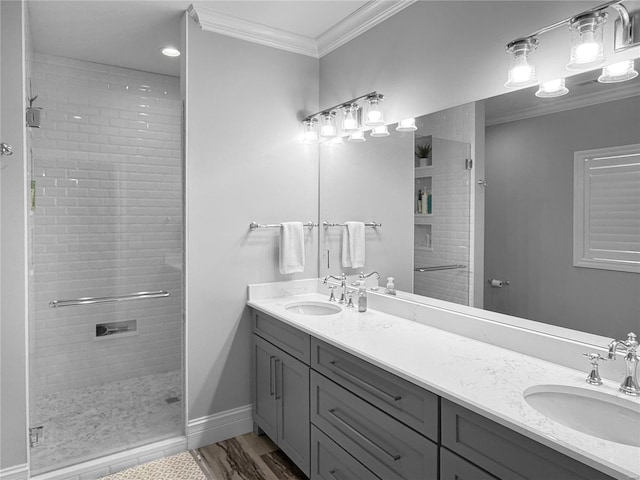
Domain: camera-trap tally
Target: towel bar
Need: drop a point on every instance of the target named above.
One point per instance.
(117, 298)
(442, 267)
(254, 225)
(371, 224)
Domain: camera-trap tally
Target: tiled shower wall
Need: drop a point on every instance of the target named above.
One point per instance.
(107, 220)
(453, 132)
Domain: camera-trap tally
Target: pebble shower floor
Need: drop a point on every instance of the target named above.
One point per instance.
(91, 422)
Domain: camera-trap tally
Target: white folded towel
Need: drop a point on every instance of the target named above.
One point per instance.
(353, 245)
(291, 247)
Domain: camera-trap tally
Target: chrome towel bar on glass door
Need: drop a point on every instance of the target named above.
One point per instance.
(116, 298)
(371, 224)
(441, 267)
(254, 225)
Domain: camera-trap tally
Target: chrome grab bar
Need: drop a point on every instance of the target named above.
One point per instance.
(441, 267)
(116, 298)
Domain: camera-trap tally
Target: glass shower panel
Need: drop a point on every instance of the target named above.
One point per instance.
(106, 335)
(442, 221)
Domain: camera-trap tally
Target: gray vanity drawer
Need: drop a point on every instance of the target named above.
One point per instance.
(388, 448)
(330, 462)
(293, 341)
(504, 453)
(403, 400)
(452, 467)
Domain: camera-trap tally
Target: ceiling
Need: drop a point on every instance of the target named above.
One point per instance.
(130, 33)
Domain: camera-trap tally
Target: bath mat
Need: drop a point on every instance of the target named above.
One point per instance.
(177, 467)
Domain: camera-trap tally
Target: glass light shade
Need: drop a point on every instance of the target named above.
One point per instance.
(587, 50)
(521, 72)
(328, 125)
(374, 115)
(310, 135)
(350, 119)
(170, 52)
(380, 131)
(552, 88)
(407, 125)
(618, 72)
(357, 136)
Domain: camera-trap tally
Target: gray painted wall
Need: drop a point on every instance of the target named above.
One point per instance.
(529, 221)
(244, 163)
(13, 208)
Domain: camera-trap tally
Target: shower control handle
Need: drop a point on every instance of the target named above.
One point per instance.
(6, 149)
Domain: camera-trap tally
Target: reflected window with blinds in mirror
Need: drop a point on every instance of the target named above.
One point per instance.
(606, 212)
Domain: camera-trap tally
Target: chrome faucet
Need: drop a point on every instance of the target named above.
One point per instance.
(629, 348)
(364, 276)
(343, 285)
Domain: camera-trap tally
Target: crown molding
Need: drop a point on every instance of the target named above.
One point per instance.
(212, 21)
(562, 105)
(369, 15)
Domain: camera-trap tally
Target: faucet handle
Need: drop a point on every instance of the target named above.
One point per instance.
(332, 297)
(350, 303)
(594, 376)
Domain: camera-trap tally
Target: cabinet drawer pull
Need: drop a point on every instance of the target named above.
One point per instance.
(272, 379)
(364, 384)
(278, 385)
(334, 412)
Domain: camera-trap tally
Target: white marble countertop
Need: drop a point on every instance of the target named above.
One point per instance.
(484, 378)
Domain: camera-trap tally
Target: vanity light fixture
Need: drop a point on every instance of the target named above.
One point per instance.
(310, 133)
(618, 72)
(328, 125)
(170, 52)
(380, 131)
(552, 88)
(374, 115)
(407, 125)
(350, 113)
(521, 72)
(587, 49)
(587, 40)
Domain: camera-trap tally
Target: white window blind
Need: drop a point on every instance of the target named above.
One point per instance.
(606, 208)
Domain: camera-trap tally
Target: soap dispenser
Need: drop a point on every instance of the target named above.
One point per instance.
(391, 287)
(362, 296)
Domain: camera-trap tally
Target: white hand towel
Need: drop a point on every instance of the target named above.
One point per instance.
(353, 245)
(291, 247)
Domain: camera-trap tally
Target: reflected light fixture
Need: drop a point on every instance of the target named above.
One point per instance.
(328, 125)
(310, 134)
(552, 88)
(618, 72)
(407, 125)
(357, 137)
(521, 72)
(374, 115)
(170, 52)
(380, 131)
(587, 49)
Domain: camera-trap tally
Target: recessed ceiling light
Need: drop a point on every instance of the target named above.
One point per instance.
(170, 52)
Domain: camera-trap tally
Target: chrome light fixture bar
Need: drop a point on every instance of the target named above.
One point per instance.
(586, 49)
(351, 117)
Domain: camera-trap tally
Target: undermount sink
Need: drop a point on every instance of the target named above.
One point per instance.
(313, 308)
(595, 413)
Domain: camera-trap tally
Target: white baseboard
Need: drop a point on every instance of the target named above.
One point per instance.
(220, 426)
(117, 462)
(19, 472)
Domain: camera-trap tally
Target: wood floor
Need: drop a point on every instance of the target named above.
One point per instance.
(247, 457)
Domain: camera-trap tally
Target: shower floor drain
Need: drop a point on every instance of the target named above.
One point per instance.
(172, 400)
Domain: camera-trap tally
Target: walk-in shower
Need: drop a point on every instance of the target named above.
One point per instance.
(106, 261)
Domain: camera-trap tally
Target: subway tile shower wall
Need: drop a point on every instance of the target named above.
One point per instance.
(108, 220)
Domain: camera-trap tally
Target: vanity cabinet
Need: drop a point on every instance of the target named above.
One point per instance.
(339, 417)
(281, 398)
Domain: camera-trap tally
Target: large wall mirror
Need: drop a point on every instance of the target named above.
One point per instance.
(423, 189)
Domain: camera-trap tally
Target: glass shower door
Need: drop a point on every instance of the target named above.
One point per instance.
(442, 225)
(106, 282)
